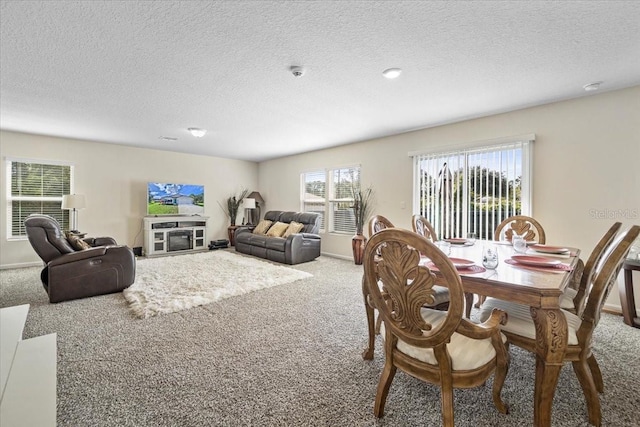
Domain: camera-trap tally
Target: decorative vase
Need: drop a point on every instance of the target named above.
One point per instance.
(357, 245)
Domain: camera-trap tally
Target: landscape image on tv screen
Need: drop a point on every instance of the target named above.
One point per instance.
(174, 199)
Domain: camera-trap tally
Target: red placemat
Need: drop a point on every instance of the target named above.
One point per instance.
(557, 268)
(474, 269)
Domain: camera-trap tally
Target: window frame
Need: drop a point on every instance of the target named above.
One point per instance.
(475, 148)
(10, 198)
(331, 199)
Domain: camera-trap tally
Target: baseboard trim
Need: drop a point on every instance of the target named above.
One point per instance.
(348, 258)
(21, 265)
(612, 309)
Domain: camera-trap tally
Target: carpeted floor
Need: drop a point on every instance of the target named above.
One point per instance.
(283, 356)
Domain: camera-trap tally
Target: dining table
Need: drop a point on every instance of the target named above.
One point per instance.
(537, 285)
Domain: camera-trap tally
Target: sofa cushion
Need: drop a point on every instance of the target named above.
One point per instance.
(294, 228)
(276, 243)
(277, 229)
(309, 220)
(262, 227)
(288, 216)
(257, 240)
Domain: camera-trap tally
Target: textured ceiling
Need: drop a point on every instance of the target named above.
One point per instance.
(128, 72)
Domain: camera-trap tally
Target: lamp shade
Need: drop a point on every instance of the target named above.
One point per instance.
(249, 203)
(256, 195)
(73, 201)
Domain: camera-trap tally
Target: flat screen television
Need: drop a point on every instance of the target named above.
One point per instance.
(174, 199)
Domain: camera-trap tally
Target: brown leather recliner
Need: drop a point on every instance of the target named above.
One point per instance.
(69, 274)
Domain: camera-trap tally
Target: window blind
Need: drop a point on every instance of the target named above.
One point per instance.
(472, 190)
(313, 191)
(36, 188)
(329, 192)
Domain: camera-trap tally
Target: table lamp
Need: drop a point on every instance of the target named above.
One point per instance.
(249, 204)
(259, 200)
(73, 202)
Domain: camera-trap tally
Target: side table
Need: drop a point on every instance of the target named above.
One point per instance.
(627, 301)
(232, 229)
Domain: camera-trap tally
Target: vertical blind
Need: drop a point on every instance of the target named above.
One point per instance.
(472, 190)
(37, 188)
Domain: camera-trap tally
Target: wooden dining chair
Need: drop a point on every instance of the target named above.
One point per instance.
(573, 299)
(423, 227)
(522, 225)
(376, 224)
(520, 329)
(439, 347)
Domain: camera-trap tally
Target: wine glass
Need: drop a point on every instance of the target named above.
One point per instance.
(471, 238)
(519, 244)
(490, 256)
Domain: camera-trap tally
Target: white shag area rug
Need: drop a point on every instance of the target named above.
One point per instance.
(175, 283)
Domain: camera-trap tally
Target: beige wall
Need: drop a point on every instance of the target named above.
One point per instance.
(114, 179)
(586, 157)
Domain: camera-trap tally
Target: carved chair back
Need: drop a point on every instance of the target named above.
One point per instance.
(589, 268)
(423, 227)
(522, 225)
(377, 223)
(603, 279)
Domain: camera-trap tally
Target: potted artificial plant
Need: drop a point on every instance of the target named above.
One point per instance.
(232, 205)
(362, 208)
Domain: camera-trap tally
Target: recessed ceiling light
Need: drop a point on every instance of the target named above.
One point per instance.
(392, 73)
(168, 138)
(592, 86)
(197, 132)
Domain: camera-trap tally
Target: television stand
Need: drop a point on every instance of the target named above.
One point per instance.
(169, 235)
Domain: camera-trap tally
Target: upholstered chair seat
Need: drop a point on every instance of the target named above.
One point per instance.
(466, 353)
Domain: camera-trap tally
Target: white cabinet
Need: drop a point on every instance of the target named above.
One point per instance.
(174, 234)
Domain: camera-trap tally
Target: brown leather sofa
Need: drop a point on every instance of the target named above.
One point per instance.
(103, 268)
(295, 249)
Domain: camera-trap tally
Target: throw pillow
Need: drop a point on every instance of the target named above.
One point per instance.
(277, 229)
(294, 228)
(77, 243)
(262, 227)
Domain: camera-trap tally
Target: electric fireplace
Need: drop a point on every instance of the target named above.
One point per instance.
(179, 240)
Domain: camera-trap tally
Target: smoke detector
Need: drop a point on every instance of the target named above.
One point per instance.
(297, 71)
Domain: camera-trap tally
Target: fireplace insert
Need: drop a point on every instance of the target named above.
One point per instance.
(180, 240)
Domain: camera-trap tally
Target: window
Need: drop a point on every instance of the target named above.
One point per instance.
(35, 188)
(330, 193)
(471, 190)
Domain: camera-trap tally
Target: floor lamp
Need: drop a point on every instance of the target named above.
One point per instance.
(249, 205)
(73, 202)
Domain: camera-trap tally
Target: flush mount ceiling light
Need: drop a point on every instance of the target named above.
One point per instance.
(168, 138)
(592, 86)
(392, 73)
(197, 132)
